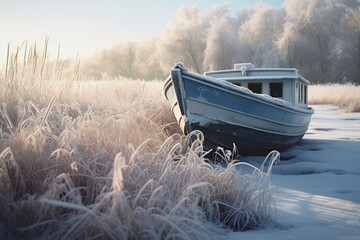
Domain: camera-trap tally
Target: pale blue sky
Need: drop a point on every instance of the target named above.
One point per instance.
(84, 25)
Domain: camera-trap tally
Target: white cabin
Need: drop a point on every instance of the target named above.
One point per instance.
(282, 83)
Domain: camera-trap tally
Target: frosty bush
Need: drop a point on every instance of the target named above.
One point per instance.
(170, 192)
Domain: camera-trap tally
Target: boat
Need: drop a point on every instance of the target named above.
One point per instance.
(255, 109)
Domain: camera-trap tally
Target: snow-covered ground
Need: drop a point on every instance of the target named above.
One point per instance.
(317, 182)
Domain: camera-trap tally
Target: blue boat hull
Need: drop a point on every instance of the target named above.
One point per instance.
(228, 115)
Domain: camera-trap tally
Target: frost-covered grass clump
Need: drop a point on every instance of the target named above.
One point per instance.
(72, 174)
(105, 160)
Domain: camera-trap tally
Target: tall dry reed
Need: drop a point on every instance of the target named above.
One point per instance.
(346, 96)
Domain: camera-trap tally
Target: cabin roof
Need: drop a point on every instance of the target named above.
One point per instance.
(259, 74)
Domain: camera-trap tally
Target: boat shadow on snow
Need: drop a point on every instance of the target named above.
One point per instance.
(326, 153)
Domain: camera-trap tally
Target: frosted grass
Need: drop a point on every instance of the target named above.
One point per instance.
(346, 96)
(101, 160)
(87, 182)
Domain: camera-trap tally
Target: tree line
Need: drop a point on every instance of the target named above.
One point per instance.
(321, 38)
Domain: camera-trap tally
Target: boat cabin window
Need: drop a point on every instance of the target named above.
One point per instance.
(276, 90)
(302, 92)
(255, 87)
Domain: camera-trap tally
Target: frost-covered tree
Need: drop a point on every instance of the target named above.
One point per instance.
(222, 45)
(290, 40)
(146, 62)
(257, 35)
(108, 62)
(345, 51)
(118, 60)
(354, 19)
(184, 40)
(311, 26)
